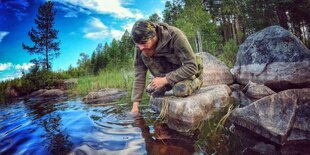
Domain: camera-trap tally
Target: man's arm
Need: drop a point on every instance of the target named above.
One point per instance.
(185, 53)
(139, 81)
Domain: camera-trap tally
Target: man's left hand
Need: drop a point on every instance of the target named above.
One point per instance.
(159, 82)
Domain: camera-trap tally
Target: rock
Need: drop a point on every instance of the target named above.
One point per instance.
(274, 57)
(104, 96)
(52, 93)
(236, 86)
(263, 148)
(44, 93)
(69, 83)
(214, 71)
(11, 92)
(279, 117)
(185, 114)
(240, 98)
(257, 91)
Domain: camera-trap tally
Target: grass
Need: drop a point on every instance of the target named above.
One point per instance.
(112, 78)
(122, 79)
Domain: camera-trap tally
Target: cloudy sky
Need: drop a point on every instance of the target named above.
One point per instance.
(82, 24)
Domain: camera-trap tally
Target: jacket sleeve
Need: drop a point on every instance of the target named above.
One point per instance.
(186, 55)
(139, 79)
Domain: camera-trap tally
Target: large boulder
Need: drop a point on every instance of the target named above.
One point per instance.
(274, 57)
(44, 93)
(214, 71)
(104, 96)
(279, 117)
(185, 114)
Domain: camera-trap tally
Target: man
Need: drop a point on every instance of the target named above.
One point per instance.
(165, 51)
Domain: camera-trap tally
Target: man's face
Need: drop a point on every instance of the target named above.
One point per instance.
(148, 47)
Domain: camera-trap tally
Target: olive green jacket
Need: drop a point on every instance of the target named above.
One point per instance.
(175, 48)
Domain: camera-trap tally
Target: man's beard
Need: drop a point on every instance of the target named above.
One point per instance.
(148, 52)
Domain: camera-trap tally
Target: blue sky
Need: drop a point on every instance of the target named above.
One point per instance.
(82, 25)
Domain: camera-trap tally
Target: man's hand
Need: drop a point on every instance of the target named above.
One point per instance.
(135, 107)
(159, 82)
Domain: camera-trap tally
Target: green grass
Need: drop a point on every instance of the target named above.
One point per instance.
(115, 78)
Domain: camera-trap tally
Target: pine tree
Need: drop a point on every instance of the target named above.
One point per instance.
(44, 36)
(154, 18)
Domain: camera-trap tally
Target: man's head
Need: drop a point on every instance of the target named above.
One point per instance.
(144, 35)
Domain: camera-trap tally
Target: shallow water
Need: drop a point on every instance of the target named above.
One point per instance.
(71, 127)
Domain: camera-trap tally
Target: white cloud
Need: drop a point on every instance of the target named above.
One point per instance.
(115, 7)
(25, 66)
(128, 26)
(117, 34)
(160, 13)
(71, 15)
(3, 34)
(5, 66)
(95, 29)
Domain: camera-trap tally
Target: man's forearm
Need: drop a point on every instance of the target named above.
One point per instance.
(135, 107)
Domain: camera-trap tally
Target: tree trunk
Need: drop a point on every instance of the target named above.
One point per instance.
(238, 29)
(199, 42)
(282, 16)
(225, 31)
(233, 27)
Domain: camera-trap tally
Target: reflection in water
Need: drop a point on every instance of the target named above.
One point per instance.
(167, 141)
(50, 121)
(71, 127)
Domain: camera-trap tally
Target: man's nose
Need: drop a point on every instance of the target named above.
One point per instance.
(141, 47)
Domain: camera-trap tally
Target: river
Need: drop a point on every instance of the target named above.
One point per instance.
(68, 126)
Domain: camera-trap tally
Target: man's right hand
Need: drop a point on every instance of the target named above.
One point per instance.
(135, 107)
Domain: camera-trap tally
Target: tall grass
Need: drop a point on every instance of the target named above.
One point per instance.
(114, 78)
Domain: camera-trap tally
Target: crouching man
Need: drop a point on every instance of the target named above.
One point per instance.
(165, 51)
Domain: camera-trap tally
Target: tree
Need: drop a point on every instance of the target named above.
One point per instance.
(171, 12)
(154, 18)
(44, 36)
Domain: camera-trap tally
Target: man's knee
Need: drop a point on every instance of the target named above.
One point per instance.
(182, 89)
(186, 87)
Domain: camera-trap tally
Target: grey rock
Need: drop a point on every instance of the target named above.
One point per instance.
(257, 91)
(263, 148)
(45, 93)
(104, 96)
(185, 114)
(240, 98)
(275, 116)
(274, 57)
(236, 86)
(214, 71)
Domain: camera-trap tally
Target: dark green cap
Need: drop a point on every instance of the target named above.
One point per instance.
(142, 31)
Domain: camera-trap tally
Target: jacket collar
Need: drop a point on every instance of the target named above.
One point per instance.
(163, 36)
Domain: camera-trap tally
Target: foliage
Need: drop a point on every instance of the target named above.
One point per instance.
(114, 78)
(228, 56)
(117, 54)
(155, 18)
(36, 79)
(44, 36)
(197, 24)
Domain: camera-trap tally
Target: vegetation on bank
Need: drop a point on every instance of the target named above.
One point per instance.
(217, 27)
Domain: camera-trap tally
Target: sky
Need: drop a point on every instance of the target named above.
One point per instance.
(82, 25)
